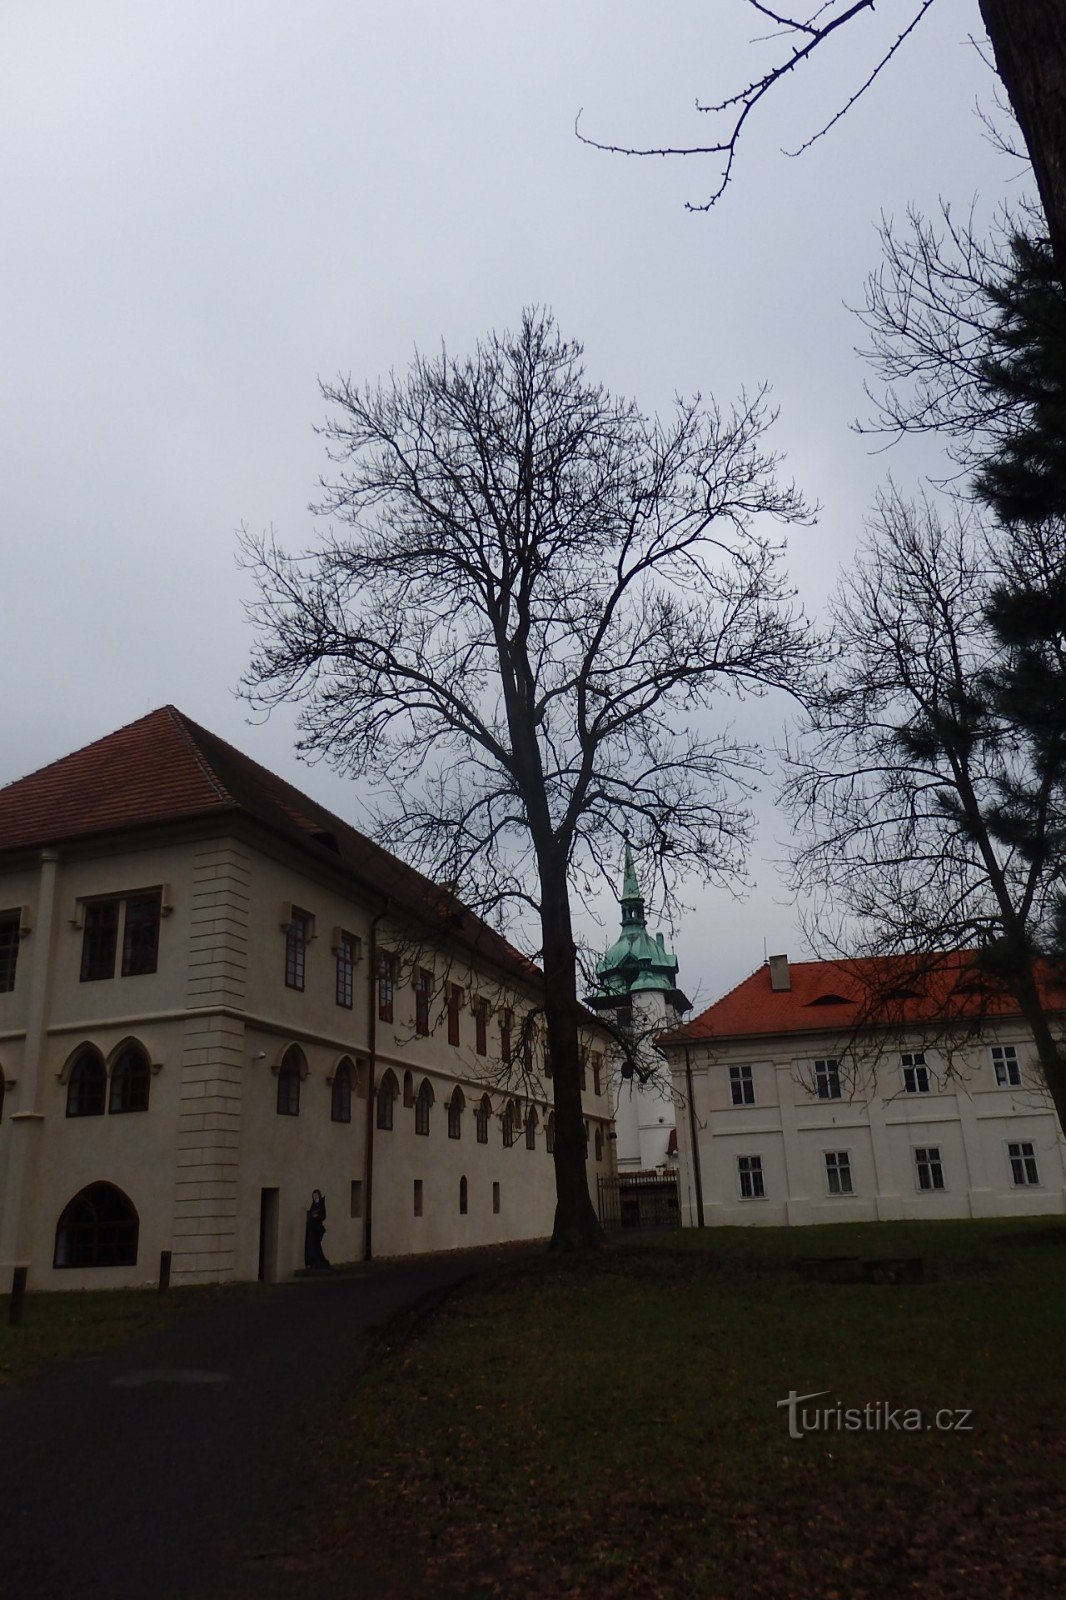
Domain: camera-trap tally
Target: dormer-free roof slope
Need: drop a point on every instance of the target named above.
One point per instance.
(165, 769)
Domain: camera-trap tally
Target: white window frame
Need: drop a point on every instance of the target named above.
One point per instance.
(838, 1170)
(928, 1156)
(1006, 1066)
(913, 1061)
(1024, 1161)
(749, 1169)
(742, 1086)
(827, 1077)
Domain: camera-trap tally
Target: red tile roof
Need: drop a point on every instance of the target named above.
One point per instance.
(825, 996)
(166, 769)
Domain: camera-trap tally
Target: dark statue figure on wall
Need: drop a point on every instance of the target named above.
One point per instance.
(314, 1259)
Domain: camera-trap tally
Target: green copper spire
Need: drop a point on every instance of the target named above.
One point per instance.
(632, 899)
(636, 963)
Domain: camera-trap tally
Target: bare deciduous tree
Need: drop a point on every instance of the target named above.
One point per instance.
(1028, 43)
(929, 817)
(529, 593)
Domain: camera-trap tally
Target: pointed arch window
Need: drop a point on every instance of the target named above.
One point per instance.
(422, 1105)
(289, 1074)
(386, 1102)
(481, 1119)
(531, 1128)
(508, 1125)
(341, 1097)
(87, 1085)
(131, 1078)
(455, 1113)
(598, 1144)
(549, 1133)
(97, 1229)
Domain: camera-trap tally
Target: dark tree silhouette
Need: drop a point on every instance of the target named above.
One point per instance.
(529, 593)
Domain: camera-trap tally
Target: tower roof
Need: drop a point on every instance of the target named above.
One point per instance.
(638, 962)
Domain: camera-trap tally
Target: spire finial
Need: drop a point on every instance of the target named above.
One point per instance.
(630, 886)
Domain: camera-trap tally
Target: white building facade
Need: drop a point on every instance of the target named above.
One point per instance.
(796, 1112)
(215, 998)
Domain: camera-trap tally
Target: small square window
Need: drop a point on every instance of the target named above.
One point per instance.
(915, 1072)
(827, 1079)
(749, 1171)
(1023, 1165)
(929, 1167)
(1005, 1062)
(742, 1086)
(838, 1172)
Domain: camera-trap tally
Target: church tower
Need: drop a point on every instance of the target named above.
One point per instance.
(637, 980)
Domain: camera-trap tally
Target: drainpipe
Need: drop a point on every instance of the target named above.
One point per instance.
(693, 1141)
(372, 1048)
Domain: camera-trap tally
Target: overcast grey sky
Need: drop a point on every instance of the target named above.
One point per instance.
(209, 204)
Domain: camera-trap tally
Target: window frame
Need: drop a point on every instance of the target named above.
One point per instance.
(346, 953)
(10, 940)
(481, 1028)
(751, 1180)
(454, 1008)
(913, 1062)
(75, 1080)
(133, 1086)
(385, 1113)
(140, 941)
(99, 941)
(1006, 1066)
(297, 939)
(340, 1093)
(481, 1119)
(455, 1114)
(1024, 1162)
(827, 1078)
(423, 987)
(929, 1169)
(386, 980)
(839, 1178)
(742, 1085)
(423, 1106)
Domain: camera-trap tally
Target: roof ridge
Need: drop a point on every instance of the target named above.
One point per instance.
(185, 726)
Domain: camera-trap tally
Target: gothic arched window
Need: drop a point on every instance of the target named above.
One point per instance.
(97, 1229)
(87, 1084)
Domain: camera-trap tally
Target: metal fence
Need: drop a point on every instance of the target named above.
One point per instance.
(639, 1200)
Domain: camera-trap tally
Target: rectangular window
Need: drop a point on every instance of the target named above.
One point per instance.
(357, 1197)
(838, 1172)
(99, 940)
(140, 934)
(386, 985)
(296, 936)
(584, 1069)
(346, 947)
(1023, 1165)
(827, 1079)
(418, 1197)
(742, 1086)
(423, 987)
(9, 949)
(481, 1028)
(455, 1000)
(495, 1197)
(749, 1170)
(1005, 1061)
(915, 1072)
(929, 1167)
(597, 1074)
(506, 1024)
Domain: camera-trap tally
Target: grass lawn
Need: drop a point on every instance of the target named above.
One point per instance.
(611, 1426)
(59, 1326)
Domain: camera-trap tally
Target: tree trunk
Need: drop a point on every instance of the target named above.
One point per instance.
(576, 1225)
(1029, 43)
(1052, 1061)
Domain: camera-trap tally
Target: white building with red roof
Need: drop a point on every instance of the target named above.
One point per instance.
(829, 1091)
(217, 997)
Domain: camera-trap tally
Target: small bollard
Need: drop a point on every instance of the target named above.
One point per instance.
(18, 1290)
(164, 1271)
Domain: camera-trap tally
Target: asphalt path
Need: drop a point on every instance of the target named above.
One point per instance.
(181, 1467)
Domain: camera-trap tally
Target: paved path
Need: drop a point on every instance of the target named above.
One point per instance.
(164, 1470)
